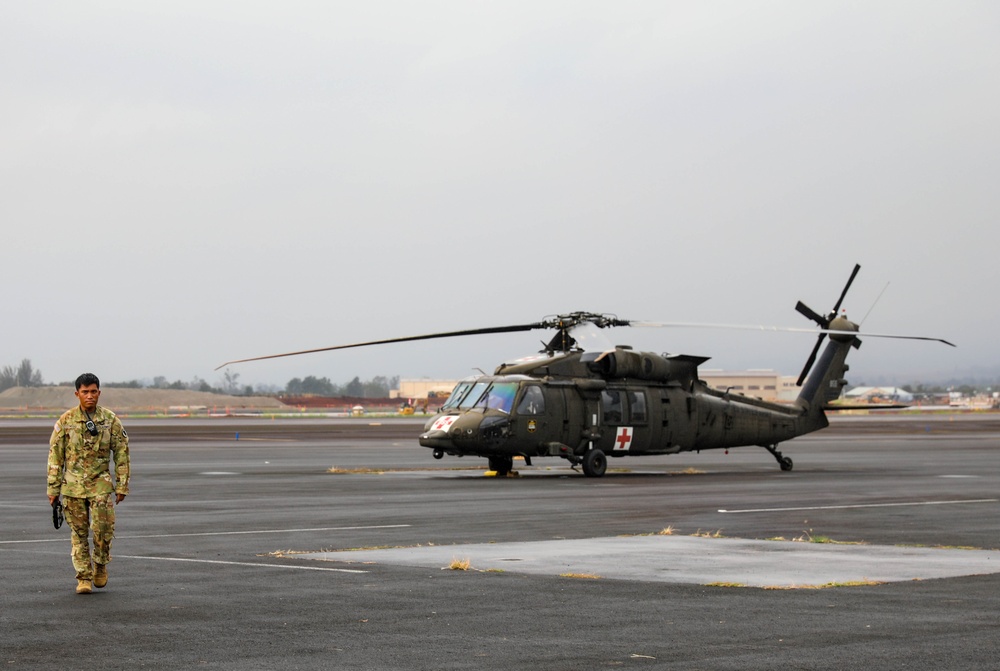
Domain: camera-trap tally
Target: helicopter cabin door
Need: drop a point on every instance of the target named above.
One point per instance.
(540, 414)
(625, 427)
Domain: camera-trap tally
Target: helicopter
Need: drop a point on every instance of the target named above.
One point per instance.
(585, 406)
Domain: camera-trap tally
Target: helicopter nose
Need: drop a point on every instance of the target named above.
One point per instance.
(437, 439)
(456, 432)
(469, 433)
(436, 433)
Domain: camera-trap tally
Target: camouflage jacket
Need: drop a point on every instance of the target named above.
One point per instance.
(79, 463)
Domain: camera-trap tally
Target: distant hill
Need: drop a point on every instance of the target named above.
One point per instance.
(134, 400)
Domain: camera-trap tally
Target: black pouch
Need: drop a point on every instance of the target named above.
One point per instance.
(57, 514)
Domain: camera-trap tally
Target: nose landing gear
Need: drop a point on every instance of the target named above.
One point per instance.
(501, 465)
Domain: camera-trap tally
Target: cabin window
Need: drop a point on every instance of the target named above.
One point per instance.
(611, 406)
(637, 407)
(532, 401)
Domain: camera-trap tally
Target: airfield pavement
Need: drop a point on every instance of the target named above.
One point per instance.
(248, 554)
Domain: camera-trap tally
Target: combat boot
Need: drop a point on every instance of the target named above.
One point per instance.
(83, 587)
(100, 575)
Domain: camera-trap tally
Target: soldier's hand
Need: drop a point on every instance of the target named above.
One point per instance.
(52, 500)
(119, 498)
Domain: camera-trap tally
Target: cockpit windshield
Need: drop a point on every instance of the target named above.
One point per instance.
(500, 396)
(457, 394)
(474, 395)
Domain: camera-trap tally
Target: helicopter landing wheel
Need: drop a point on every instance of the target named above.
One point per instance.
(595, 463)
(784, 462)
(501, 465)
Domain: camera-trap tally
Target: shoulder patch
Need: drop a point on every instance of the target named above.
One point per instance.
(124, 432)
(56, 427)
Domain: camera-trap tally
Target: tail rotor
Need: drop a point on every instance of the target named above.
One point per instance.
(823, 321)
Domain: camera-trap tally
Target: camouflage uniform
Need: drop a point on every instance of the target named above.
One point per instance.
(79, 471)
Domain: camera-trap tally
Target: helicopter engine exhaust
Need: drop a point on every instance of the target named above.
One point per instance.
(626, 363)
(622, 362)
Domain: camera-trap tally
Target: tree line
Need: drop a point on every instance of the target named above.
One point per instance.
(22, 375)
(25, 375)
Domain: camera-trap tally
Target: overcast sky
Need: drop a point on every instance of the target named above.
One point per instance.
(187, 183)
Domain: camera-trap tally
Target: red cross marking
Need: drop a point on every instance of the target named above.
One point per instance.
(623, 439)
(443, 423)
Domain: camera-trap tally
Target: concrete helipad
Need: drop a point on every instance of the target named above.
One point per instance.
(697, 560)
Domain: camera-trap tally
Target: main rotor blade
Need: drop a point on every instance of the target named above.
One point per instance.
(854, 273)
(784, 329)
(431, 336)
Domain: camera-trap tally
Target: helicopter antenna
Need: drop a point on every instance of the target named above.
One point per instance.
(877, 299)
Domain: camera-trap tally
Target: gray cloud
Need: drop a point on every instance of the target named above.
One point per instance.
(190, 184)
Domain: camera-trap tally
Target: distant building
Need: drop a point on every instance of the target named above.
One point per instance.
(420, 389)
(879, 395)
(763, 383)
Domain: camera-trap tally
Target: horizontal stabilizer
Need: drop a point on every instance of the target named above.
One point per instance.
(865, 406)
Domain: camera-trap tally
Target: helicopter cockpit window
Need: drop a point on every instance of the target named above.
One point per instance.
(473, 396)
(611, 406)
(500, 396)
(457, 394)
(637, 407)
(532, 402)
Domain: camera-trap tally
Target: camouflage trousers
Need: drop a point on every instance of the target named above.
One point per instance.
(95, 514)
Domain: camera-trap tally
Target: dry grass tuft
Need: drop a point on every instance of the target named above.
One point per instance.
(809, 537)
(707, 534)
(666, 531)
(460, 564)
(583, 576)
(865, 582)
(829, 585)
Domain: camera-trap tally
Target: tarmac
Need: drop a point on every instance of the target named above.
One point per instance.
(239, 549)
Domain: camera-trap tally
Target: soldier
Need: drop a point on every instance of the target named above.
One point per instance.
(80, 452)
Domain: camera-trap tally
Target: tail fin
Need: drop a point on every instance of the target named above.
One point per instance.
(826, 379)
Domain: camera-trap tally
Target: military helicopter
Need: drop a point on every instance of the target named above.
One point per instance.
(586, 405)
